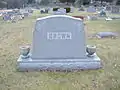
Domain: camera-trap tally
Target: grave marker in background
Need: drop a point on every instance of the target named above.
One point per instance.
(60, 11)
(115, 9)
(91, 9)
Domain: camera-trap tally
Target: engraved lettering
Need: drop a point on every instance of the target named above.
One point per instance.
(59, 35)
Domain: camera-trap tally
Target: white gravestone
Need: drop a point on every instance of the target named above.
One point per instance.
(60, 11)
(72, 9)
(91, 9)
(59, 44)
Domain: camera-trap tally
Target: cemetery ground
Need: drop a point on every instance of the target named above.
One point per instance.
(12, 35)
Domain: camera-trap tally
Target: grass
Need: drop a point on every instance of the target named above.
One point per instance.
(12, 35)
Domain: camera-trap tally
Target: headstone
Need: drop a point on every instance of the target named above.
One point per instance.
(26, 14)
(107, 35)
(88, 17)
(91, 9)
(108, 8)
(72, 9)
(58, 44)
(93, 17)
(60, 11)
(0, 14)
(115, 17)
(6, 17)
(115, 9)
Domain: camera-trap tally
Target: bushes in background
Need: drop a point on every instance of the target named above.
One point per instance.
(55, 9)
(68, 9)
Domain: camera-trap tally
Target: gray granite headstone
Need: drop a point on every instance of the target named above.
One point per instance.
(115, 9)
(108, 8)
(26, 14)
(91, 9)
(59, 37)
(94, 17)
(58, 44)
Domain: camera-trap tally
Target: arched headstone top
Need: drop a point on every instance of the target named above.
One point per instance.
(55, 21)
(58, 16)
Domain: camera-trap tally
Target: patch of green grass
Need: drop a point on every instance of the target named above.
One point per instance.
(12, 35)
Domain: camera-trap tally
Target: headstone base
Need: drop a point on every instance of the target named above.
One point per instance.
(28, 64)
